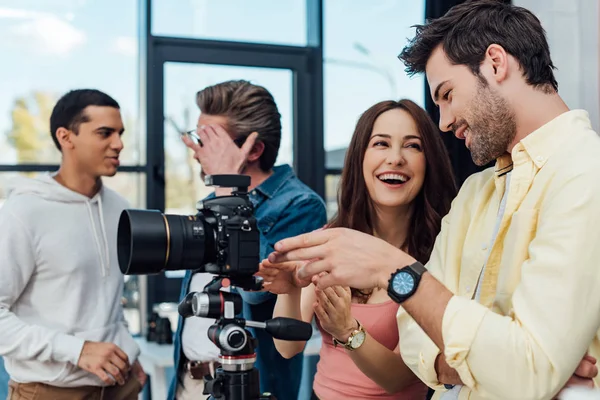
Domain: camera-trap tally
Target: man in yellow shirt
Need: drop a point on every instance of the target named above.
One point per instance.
(509, 303)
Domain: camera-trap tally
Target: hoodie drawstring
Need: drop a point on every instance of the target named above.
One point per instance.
(97, 239)
(106, 251)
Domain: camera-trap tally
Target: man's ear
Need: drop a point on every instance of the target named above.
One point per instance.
(257, 149)
(64, 137)
(497, 61)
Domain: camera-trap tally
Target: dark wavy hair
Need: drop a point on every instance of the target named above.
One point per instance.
(355, 206)
(468, 29)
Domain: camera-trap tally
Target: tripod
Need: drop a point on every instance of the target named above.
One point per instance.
(237, 378)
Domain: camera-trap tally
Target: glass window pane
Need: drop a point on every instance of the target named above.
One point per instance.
(182, 81)
(259, 21)
(332, 183)
(362, 40)
(130, 185)
(56, 46)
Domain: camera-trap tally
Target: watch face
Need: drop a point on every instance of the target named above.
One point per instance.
(403, 283)
(357, 340)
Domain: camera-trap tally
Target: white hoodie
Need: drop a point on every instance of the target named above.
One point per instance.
(60, 282)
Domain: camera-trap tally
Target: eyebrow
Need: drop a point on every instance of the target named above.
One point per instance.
(406, 137)
(436, 94)
(108, 128)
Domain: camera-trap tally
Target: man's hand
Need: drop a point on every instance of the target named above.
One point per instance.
(138, 373)
(351, 258)
(584, 374)
(218, 154)
(104, 360)
(445, 373)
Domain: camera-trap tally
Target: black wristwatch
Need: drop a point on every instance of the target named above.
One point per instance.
(404, 282)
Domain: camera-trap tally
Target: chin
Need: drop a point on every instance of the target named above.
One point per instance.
(109, 173)
(391, 203)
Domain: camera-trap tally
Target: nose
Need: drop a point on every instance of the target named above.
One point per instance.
(117, 142)
(395, 157)
(446, 119)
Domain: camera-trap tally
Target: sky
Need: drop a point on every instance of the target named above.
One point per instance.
(58, 45)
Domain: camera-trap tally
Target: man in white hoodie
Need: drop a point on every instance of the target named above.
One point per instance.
(62, 330)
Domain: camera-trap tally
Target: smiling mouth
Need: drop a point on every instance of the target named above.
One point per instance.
(460, 132)
(393, 179)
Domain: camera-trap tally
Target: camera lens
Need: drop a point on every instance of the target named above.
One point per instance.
(149, 242)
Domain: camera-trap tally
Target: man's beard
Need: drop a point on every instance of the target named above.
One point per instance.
(493, 125)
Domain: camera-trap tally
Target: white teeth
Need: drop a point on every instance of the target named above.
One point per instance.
(397, 177)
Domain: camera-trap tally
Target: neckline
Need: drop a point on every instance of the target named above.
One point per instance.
(373, 304)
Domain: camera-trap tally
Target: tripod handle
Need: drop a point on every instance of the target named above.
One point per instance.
(284, 328)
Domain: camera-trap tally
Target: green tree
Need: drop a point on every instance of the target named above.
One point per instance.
(184, 187)
(29, 134)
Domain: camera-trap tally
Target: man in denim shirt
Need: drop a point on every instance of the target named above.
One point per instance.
(239, 131)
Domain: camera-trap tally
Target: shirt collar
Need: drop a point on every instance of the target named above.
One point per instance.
(542, 143)
(273, 183)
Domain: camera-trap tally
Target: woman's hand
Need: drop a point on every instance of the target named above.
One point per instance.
(281, 278)
(333, 310)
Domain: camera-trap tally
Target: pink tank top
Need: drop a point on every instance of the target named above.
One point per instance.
(339, 378)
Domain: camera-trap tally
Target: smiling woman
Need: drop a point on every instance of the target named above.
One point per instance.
(396, 185)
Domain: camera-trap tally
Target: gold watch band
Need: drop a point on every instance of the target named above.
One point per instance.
(348, 343)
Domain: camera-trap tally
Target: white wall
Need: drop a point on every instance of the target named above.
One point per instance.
(572, 30)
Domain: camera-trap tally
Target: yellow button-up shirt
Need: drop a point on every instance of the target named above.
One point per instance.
(539, 308)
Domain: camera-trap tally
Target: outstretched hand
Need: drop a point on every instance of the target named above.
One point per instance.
(350, 257)
(281, 278)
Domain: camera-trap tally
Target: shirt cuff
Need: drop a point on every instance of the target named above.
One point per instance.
(460, 324)
(67, 348)
(427, 372)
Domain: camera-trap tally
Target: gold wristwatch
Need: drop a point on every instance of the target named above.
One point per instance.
(356, 339)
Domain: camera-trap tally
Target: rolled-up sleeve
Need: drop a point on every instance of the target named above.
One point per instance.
(531, 352)
(418, 350)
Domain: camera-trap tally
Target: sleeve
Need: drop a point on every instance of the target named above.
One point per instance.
(19, 340)
(305, 216)
(416, 348)
(531, 352)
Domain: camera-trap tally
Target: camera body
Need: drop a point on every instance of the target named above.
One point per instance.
(222, 238)
(236, 236)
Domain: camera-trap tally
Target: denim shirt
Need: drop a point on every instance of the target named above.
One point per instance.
(283, 207)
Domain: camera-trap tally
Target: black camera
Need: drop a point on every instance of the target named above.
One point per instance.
(222, 238)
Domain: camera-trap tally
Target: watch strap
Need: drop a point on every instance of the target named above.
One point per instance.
(418, 268)
(348, 343)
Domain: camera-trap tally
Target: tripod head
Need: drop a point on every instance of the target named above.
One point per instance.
(237, 379)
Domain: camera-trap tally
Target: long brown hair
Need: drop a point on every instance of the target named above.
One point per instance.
(355, 206)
